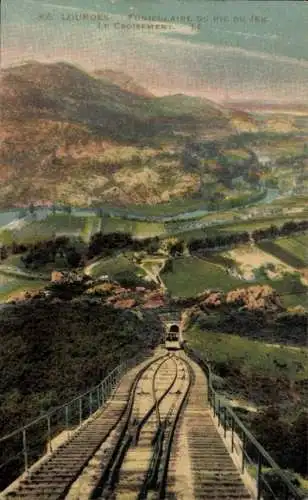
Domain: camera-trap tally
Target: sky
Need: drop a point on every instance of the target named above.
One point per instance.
(223, 50)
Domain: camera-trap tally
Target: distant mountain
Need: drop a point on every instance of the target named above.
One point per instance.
(86, 139)
(122, 80)
(257, 106)
(182, 103)
(62, 91)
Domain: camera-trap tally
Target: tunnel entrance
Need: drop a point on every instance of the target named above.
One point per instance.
(173, 333)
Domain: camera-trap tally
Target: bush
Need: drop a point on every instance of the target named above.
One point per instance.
(129, 279)
(273, 480)
(50, 351)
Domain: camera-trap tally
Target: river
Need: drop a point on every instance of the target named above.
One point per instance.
(9, 217)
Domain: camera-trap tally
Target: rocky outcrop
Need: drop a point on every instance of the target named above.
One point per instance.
(255, 297)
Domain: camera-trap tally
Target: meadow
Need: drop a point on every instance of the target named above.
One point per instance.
(191, 275)
(230, 226)
(114, 265)
(252, 355)
(291, 250)
(82, 226)
(11, 286)
(40, 230)
(139, 229)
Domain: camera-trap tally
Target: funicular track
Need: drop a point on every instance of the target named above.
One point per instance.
(139, 462)
(142, 445)
(139, 419)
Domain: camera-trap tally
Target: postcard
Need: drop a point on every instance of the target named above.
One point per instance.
(153, 249)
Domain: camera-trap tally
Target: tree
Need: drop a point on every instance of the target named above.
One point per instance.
(273, 484)
(68, 209)
(22, 213)
(32, 210)
(3, 252)
(99, 212)
(73, 257)
(106, 243)
(299, 451)
(170, 245)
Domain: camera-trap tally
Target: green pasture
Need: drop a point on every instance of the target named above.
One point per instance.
(114, 265)
(139, 229)
(252, 355)
(260, 223)
(291, 250)
(91, 226)
(11, 284)
(291, 202)
(231, 227)
(192, 275)
(53, 225)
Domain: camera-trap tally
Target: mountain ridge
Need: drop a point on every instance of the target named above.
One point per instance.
(68, 136)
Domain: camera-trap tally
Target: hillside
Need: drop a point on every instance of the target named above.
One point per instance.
(123, 80)
(72, 137)
(61, 91)
(85, 140)
(53, 347)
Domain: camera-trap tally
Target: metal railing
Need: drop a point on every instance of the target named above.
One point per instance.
(245, 444)
(20, 449)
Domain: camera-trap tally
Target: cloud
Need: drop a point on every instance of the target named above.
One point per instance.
(250, 35)
(163, 61)
(205, 47)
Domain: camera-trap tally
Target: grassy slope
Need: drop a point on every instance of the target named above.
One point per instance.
(139, 229)
(114, 265)
(83, 226)
(192, 275)
(292, 250)
(48, 228)
(11, 287)
(234, 227)
(253, 355)
(286, 250)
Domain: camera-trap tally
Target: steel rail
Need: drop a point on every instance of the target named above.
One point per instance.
(79, 458)
(151, 481)
(248, 437)
(122, 441)
(166, 457)
(133, 433)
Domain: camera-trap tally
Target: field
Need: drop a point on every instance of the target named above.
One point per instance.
(53, 225)
(251, 258)
(291, 202)
(292, 250)
(139, 229)
(252, 354)
(172, 208)
(259, 223)
(91, 226)
(187, 232)
(192, 275)
(114, 265)
(11, 286)
(77, 225)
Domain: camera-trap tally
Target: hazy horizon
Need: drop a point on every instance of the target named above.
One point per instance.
(232, 55)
